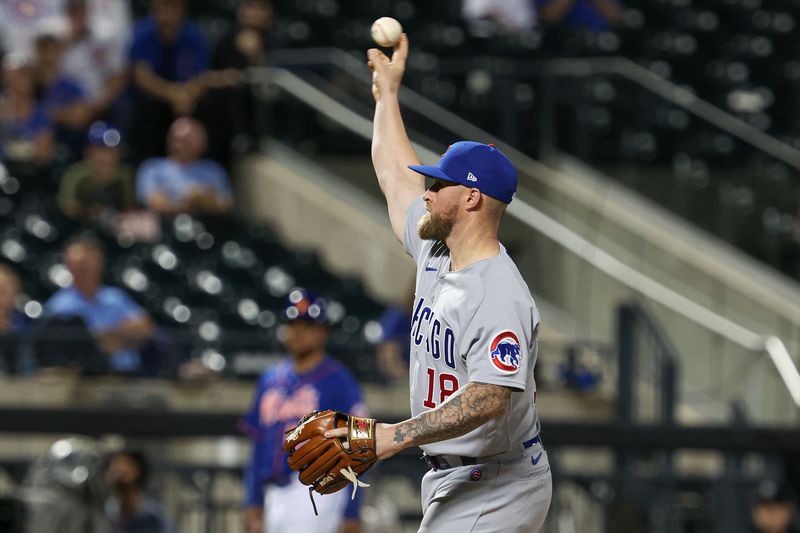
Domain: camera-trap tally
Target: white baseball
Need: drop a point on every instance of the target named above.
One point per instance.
(386, 31)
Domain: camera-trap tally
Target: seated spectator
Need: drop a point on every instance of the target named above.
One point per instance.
(100, 183)
(26, 134)
(232, 110)
(110, 21)
(12, 322)
(63, 97)
(129, 510)
(168, 55)
(20, 22)
(97, 63)
(492, 17)
(182, 182)
(593, 15)
(118, 324)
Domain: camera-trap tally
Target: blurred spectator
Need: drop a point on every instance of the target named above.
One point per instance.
(307, 380)
(100, 183)
(64, 99)
(129, 509)
(26, 134)
(393, 351)
(593, 15)
(118, 324)
(110, 21)
(774, 510)
(231, 114)
(97, 63)
(12, 322)
(21, 21)
(182, 182)
(489, 17)
(168, 56)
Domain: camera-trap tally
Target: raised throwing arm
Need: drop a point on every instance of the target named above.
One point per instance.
(391, 149)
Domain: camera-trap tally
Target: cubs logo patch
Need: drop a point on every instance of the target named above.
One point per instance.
(475, 474)
(505, 351)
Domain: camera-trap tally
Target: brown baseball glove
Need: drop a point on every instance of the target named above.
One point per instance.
(330, 464)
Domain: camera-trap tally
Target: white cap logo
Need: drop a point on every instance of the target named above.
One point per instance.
(471, 177)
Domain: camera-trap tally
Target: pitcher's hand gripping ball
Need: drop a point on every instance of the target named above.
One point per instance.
(329, 464)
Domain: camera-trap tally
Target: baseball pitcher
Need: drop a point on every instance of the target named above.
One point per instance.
(473, 338)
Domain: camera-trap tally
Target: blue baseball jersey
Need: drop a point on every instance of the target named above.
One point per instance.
(282, 397)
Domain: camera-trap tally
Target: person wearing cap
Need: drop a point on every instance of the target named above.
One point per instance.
(774, 509)
(100, 183)
(308, 379)
(474, 329)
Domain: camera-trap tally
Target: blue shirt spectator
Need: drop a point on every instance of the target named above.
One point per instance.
(182, 182)
(64, 99)
(180, 60)
(63, 92)
(593, 15)
(109, 308)
(116, 322)
(178, 181)
(20, 133)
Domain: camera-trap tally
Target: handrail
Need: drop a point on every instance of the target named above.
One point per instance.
(666, 231)
(679, 96)
(621, 66)
(570, 240)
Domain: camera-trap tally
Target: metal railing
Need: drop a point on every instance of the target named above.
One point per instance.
(648, 369)
(629, 277)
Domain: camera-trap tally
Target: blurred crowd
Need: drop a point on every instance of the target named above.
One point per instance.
(69, 63)
(118, 122)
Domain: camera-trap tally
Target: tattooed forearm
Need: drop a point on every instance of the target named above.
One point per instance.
(468, 409)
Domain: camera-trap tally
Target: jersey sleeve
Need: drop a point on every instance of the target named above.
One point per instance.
(253, 487)
(499, 341)
(411, 241)
(248, 424)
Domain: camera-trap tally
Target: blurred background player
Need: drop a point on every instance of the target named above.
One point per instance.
(775, 508)
(308, 379)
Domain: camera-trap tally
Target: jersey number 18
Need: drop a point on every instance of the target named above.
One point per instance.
(448, 384)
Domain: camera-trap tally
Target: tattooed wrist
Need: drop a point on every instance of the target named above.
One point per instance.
(470, 408)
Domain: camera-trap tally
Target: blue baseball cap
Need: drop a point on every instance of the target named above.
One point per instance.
(475, 165)
(101, 134)
(304, 305)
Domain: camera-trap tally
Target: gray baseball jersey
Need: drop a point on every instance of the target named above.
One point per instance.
(477, 324)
